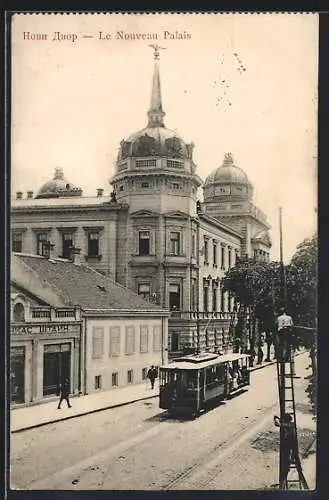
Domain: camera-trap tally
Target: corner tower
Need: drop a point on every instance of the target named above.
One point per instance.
(228, 197)
(155, 168)
(156, 177)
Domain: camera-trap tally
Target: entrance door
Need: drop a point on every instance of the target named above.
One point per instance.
(174, 297)
(56, 367)
(17, 374)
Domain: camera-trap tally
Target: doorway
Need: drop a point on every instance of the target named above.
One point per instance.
(17, 374)
(56, 367)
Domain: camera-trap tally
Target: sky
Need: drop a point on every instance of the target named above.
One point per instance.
(239, 83)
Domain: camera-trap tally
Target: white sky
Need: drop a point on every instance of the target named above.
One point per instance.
(74, 102)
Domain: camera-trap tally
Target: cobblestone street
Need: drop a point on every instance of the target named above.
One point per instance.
(232, 446)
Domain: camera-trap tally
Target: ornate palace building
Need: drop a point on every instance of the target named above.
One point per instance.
(152, 234)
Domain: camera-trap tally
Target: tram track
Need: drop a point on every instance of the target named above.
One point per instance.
(200, 473)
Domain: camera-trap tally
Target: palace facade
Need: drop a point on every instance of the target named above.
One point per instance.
(152, 234)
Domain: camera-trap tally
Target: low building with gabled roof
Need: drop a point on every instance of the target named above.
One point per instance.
(122, 334)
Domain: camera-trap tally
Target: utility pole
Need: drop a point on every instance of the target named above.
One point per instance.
(282, 273)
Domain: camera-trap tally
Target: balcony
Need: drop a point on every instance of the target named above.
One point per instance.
(199, 315)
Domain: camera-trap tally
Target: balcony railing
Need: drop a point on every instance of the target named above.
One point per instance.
(195, 315)
(41, 314)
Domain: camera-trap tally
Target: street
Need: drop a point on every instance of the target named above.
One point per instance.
(232, 446)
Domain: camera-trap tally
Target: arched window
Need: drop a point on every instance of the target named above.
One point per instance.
(19, 312)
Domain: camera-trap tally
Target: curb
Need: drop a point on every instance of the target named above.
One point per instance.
(69, 417)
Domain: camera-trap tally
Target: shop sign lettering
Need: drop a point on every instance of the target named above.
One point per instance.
(44, 329)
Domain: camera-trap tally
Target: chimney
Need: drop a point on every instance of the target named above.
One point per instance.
(19, 195)
(100, 192)
(76, 257)
(29, 195)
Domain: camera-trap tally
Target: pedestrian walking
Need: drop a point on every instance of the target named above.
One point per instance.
(260, 353)
(284, 324)
(64, 393)
(152, 375)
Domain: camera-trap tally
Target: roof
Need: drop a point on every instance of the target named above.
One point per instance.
(228, 172)
(67, 201)
(83, 286)
(192, 364)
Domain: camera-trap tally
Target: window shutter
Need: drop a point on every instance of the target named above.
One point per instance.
(130, 340)
(152, 242)
(156, 338)
(135, 242)
(115, 341)
(144, 339)
(98, 342)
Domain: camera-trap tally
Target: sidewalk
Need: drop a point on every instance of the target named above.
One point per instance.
(45, 413)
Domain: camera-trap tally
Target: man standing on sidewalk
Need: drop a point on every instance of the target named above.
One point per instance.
(64, 393)
(152, 375)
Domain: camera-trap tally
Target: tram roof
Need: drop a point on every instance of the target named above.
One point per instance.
(195, 363)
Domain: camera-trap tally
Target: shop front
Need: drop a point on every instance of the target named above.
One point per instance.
(41, 357)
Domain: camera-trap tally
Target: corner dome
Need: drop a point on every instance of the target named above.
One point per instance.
(228, 173)
(58, 186)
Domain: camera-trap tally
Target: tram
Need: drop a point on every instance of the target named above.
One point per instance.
(191, 383)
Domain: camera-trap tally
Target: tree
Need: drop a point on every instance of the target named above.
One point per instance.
(304, 268)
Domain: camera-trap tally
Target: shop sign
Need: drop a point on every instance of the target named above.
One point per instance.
(45, 329)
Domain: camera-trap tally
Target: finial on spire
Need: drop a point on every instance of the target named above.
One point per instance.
(156, 51)
(155, 113)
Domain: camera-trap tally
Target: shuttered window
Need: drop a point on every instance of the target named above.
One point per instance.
(115, 341)
(156, 338)
(144, 336)
(130, 340)
(98, 342)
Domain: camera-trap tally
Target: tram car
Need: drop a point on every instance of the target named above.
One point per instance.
(192, 383)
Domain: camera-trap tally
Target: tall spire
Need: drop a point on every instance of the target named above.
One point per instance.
(155, 113)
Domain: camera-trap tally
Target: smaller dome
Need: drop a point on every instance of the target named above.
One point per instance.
(58, 186)
(228, 173)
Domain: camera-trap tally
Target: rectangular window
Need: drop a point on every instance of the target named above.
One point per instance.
(115, 379)
(144, 243)
(144, 289)
(41, 239)
(205, 299)
(67, 242)
(144, 338)
(229, 258)
(144, 373)
(193, 246)
(93, 244)
(98, 342)
(193, 294)
(156, 338)
(115, 341)
(214, 299)
(175, 243)
(17, 242)
(130, 376)
(214, 247)
(98, 381)
(222, 257)
(145, 185)
(206, 250)
(130, 340)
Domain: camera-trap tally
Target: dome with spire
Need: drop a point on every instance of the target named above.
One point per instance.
(58, 186)
(155, 140)
(228, 179)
